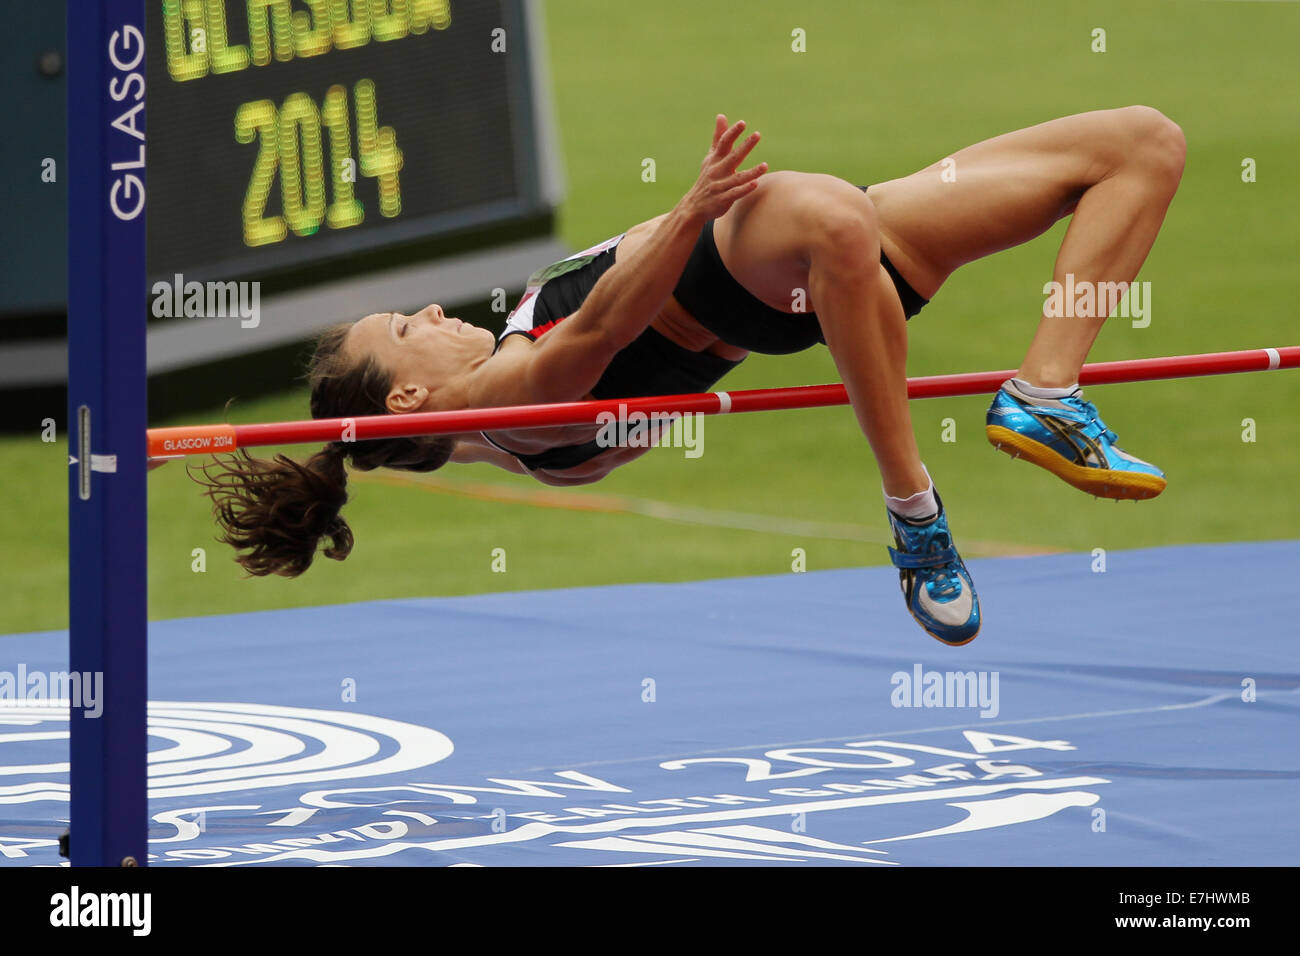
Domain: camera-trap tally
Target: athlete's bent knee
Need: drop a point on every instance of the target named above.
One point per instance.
(845, 234)
(1158, 143)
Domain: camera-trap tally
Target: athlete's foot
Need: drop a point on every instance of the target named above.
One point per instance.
(1067, 437)
(936, 585)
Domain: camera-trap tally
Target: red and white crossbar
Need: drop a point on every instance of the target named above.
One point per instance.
(204, 439)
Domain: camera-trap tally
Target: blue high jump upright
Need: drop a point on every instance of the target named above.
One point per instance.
(107, 416)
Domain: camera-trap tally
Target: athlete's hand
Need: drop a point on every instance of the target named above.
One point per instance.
(720, 184)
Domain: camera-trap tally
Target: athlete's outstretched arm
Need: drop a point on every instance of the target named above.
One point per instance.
(569, 360)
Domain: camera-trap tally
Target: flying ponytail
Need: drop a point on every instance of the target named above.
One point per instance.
(277, 512)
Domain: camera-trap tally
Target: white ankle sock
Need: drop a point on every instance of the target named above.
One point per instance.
(1037, 391)
(915, 507)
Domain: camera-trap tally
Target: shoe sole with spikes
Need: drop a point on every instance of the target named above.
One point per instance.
(1102, 482)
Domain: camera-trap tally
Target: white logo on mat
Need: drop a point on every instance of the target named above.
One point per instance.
(222, 747)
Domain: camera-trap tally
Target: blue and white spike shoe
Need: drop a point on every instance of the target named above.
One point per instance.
(936, 585)
(1068, 438)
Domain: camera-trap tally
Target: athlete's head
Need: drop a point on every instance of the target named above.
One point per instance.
(425, 355)
(277, 511)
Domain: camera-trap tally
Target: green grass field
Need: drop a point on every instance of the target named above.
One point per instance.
(883, 89)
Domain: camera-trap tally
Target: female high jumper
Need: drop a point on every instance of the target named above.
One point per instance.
(674, 303)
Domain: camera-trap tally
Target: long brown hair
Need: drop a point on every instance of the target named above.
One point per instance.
(279, 510)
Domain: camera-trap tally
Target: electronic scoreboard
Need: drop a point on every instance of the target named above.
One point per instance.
(290, 134)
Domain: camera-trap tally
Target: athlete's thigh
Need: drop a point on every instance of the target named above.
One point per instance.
(993, 195)
(765, 239)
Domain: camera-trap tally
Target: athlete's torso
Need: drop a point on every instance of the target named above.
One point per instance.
(537, 313)
(753, 316)
(672, 321)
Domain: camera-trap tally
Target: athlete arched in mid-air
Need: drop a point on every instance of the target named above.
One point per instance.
(675, 302)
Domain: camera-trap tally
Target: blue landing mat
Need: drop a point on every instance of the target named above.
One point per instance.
(1144, 715)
